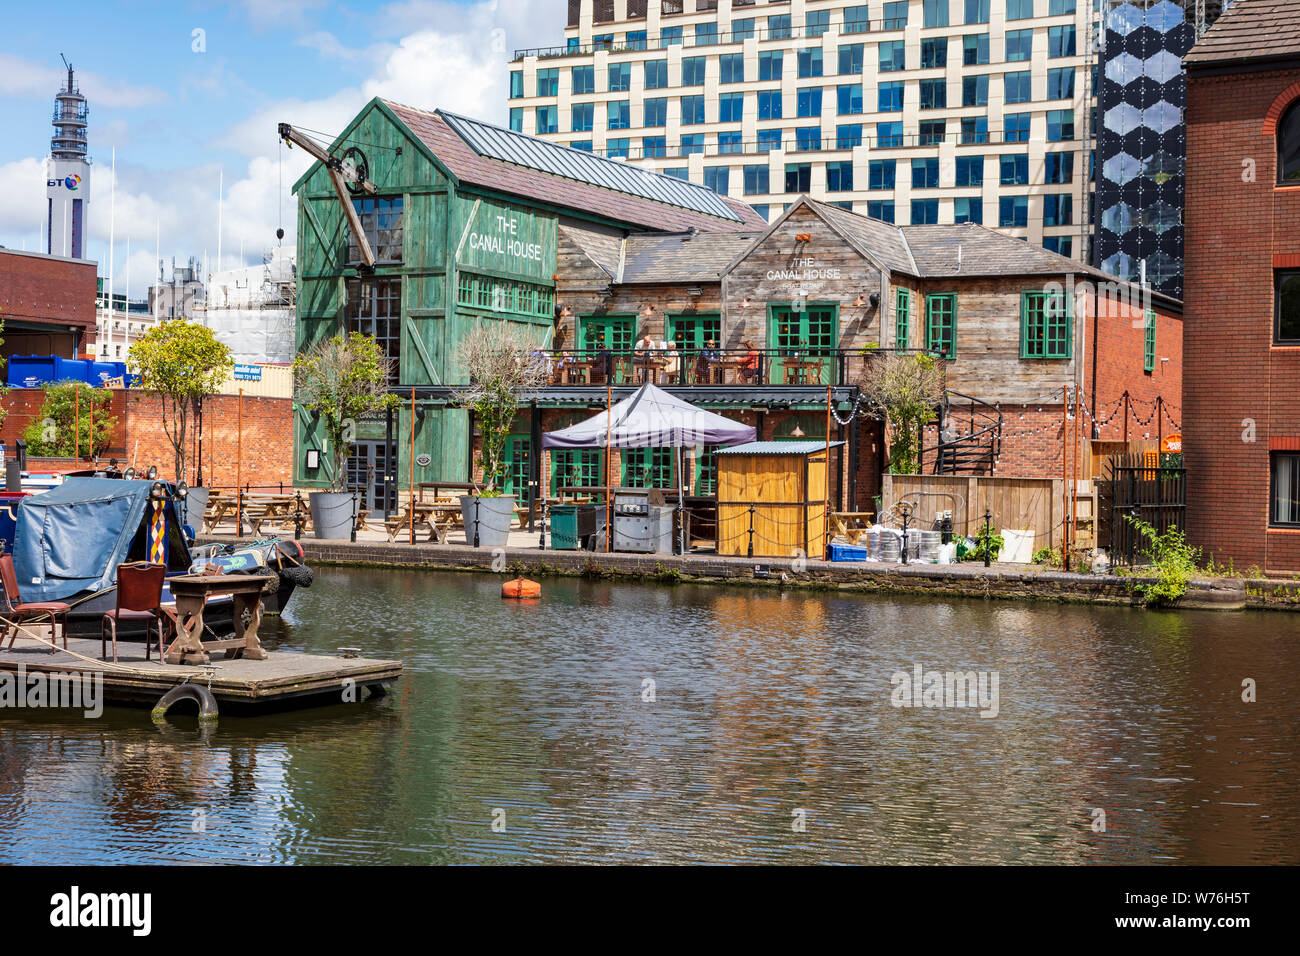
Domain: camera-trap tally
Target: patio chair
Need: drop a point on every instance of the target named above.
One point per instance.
(20, 612)
(139, 598)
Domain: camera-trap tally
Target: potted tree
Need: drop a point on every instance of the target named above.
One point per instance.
(339, 380)
(503, 366)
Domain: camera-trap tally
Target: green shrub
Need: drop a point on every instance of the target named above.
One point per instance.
(1173, 560)
(1048, 556)
(995, 543)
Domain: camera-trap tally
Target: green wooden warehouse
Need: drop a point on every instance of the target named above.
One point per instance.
(462, 225)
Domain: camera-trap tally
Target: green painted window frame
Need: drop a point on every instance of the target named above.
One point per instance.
(606, 322)
(778, 312)
(902, 318)
(812, 424)
(516, 460)
(1045, 333)
(1149, 342)
(678, 324)
(659, 459)
(941, 323)
(478, 291)
(590, 465)
(706, 472)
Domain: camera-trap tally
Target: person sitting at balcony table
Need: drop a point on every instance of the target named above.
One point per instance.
(671, 366)
(749, 367)
(705, 360)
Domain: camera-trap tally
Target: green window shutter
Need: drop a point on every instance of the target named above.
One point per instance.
(902, 329)
(941, 323)
(1046, 326)
(1149, 343)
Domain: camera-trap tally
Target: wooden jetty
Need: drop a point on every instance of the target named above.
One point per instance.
(283, 679)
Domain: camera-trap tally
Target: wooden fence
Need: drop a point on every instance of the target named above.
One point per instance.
(1036, 504)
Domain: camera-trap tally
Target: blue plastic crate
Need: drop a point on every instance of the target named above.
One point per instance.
(848, 552)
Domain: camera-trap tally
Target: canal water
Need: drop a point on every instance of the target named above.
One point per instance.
(767, 735)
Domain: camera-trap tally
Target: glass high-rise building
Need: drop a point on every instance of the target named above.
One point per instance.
(915, 111)
(1141, 138)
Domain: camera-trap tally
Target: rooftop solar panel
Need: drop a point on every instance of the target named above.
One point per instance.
(581, 166)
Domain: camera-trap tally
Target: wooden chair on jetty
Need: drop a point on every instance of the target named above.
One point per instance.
(20, 612)
(139, 598)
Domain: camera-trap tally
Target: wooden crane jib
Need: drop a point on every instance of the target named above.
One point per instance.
(334, 165)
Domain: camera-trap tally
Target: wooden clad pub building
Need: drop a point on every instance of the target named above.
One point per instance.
(625, 275)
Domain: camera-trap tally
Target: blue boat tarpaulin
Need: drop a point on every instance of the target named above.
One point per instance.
(71, 538)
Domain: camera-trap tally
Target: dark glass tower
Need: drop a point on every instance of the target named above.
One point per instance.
(1141, 142)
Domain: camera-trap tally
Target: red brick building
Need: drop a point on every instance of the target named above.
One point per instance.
(1242, 308)
(47, 304)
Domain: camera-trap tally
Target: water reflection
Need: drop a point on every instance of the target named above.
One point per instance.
(765, 703)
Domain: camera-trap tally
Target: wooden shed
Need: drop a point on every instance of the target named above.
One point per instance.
(784, 483)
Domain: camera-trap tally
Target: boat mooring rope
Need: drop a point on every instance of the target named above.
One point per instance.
(188, 675)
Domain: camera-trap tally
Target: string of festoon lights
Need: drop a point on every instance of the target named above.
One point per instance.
(1028, 432)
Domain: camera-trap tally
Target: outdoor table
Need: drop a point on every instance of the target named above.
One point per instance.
(437, 518)
(216, 513)
(802, 371)
(646, 367)
(191, 592)
(852, 524)
(459, 487)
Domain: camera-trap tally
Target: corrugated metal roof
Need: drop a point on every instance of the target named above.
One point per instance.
(1249, 30)
(584, 167)
(777, 448)
(470, 167)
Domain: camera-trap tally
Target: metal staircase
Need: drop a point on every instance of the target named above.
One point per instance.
(970, 436)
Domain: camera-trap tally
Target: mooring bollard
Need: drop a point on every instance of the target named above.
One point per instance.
(906, 511)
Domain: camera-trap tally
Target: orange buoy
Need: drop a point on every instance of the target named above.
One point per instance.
(521, 588)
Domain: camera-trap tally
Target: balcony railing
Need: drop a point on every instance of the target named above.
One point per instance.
(705, 367)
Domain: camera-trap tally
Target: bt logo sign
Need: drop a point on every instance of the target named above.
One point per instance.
(72, 182)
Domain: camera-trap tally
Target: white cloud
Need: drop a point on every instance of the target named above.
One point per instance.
(22, 214)
(23, 78)
(445, 55)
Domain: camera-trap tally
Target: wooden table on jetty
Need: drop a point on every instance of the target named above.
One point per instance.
(191, 592)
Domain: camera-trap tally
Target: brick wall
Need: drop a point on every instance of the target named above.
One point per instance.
(45, 290)
(1237, 221)
(267, 436)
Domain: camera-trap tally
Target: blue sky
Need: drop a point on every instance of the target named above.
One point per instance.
(181, 118)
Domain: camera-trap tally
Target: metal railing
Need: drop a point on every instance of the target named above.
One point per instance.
(799, 365)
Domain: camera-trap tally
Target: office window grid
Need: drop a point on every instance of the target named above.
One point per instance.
(889, 68)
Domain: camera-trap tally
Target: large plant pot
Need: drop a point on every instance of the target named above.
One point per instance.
(488, 519)
(193, 506)
(331, 514)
